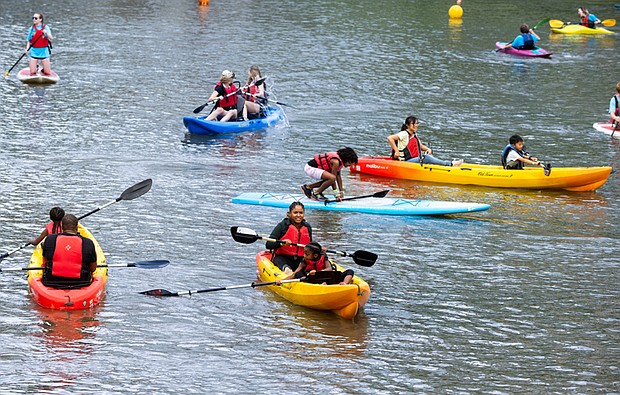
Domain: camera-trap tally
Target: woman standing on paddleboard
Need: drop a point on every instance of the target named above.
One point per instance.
(39, 44)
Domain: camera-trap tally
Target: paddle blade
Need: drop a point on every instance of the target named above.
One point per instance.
(556, 23)
(198, 109)
(381, 194)
(547, 169)
(149, 264)
(244, 235)
(539, 24)
(137, 190)
(609, 22)
(159, 292)
(364, 258)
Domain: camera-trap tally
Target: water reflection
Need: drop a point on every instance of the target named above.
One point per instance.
(38, 106)
(456, 29)
(231, 144)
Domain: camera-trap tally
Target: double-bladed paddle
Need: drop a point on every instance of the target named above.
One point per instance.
(536, 26)
(556, 23)
(269, 100)
(157, 264)
(129, 194)
(164, 292)
(381, 194)
(249, 236)
(258, 82)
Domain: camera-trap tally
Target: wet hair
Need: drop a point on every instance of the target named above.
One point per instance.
(524, 28)
(314, 247)
(347, 155)
(515, 138)
(69, 222)
(410, 120)
(254, 72)
(56, 215)
(295, 204)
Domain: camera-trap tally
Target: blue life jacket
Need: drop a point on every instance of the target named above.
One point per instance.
(505, 155)
(528, 41)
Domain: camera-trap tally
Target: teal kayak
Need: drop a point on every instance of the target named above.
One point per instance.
(368, 205)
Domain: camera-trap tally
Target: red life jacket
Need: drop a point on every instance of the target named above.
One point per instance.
(67, 259)
(414, 147)
(585, 21)
(228, 102)
(50, 228)
(252, 89)
(323, 161)
(37, 42)
(301, 236)
(318, 265)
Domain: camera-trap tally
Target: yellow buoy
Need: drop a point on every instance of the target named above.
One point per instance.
(455, 12)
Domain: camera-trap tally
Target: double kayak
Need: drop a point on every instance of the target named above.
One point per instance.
(39, 78)
(199, 125)
(607, 128)
(367, 205)
(579, 29)
(568, 178)
(536, 52)
(343, 300)
(67, 299)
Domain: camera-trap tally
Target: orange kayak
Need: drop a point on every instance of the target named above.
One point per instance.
(68, 299)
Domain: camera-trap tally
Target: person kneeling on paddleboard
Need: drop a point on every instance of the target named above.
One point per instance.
(326, 168)
(69, 258)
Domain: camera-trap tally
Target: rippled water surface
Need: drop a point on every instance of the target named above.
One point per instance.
(522, 298)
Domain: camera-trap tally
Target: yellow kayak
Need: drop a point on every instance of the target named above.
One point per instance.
(568, 178)
(344, 300)
(68, 299)
(579, 29)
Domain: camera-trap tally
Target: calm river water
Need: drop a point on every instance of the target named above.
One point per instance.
(522, 298)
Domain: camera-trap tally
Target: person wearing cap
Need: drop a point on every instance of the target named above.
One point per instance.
(226, 95)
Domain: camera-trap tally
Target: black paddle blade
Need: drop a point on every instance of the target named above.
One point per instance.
(243, 235)
(198, 109)
(137, 190)
(381, 194)
(364, 258)
(159, 292)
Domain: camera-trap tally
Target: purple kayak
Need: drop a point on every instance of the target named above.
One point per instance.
(537, 52)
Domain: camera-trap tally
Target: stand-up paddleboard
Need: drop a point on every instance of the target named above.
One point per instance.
(39, 78)
(370, 205)
(607, 128)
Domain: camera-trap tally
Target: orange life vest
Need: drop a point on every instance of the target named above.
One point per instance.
(317, 265)
(50, 228)
(67, 259)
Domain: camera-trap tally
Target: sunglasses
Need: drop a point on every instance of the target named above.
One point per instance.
(35, 17)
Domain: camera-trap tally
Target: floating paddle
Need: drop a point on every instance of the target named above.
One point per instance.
(258, 82)
(157, 264)
(164, 292)
(381, 194)
(20, 58)
(129, 194)
(556, 23)
(249, 236)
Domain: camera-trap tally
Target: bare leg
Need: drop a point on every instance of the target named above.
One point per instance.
(47, 66)
(33, 66)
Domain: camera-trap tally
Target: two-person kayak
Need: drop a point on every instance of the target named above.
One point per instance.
(343, 300)
(536, 52)
(199, 125)
(568, 178)
(68, 299)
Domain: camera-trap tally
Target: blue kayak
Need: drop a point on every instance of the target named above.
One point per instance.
(368, 205)
(200, 126)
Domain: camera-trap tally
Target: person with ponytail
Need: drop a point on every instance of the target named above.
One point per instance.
(316, 268)
(292, 229)
(55, 226)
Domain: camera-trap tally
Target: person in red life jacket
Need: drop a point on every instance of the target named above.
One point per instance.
(39, 44)
(526, 40)
(326, 168)
(315, 266)
(226, 93)
(251, 105)
(55, 226)
(69, 258)
(292, 229)
(614, 107)
(586, 19)
(406, 146)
